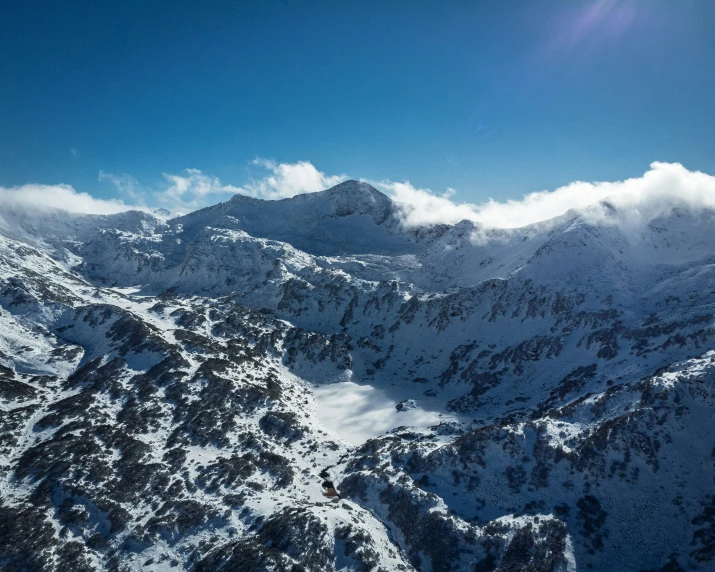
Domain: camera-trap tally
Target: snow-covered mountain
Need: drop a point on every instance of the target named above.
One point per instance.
(175, 392)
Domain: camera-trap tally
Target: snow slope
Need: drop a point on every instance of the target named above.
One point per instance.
(174, 392)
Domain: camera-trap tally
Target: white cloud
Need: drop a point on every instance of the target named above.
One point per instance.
(183, 192)
(423, 207)
(187, 191)
(290, 179)
(665, 185)
(61, 197)
(661, 188)
(192, 189)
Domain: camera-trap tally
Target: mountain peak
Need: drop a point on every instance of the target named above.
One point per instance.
(353, 187)
(357, 197)
(350, 218)
(345, 193)
(344, 199)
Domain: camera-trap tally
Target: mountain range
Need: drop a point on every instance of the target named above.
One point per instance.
(176, 394)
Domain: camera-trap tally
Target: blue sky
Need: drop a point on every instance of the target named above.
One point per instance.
(491, 99)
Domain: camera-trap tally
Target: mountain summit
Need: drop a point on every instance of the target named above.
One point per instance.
(350, 218)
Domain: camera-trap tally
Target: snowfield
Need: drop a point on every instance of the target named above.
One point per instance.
(177, 394)
(356, 413)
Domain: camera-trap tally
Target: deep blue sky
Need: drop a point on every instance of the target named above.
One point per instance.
(491, 98)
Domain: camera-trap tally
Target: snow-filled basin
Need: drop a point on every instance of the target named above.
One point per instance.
(356, 413)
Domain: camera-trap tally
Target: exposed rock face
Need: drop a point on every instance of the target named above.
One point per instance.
(158, 409)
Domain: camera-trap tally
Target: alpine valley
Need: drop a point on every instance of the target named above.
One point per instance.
(174, 393)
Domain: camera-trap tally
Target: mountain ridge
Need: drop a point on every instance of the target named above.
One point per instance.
(174, 393)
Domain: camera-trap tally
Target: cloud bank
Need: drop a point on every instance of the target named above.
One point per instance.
(662, 187)
(182, 192)
(60, 197)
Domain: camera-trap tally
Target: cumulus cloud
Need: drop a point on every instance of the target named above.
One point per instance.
(664, 186)
(192, 189)
(289, 179)
(61, 197)
(189, 190)
(183, 192)
(423, 207)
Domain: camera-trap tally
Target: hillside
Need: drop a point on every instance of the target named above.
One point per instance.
(173, 393)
